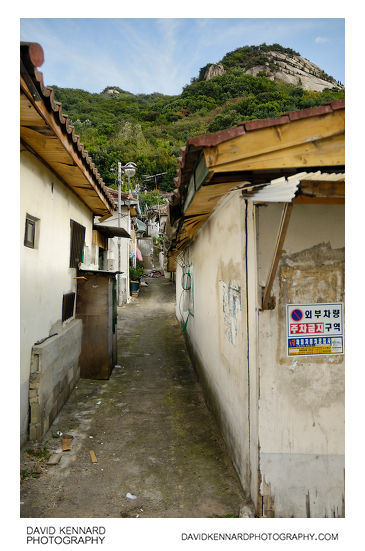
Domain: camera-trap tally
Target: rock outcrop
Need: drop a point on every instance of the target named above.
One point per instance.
(213, 70)
(283, 66)
(295, 70)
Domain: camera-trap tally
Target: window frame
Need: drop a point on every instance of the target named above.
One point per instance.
(77, 243)
(30, 221)
(68, 306)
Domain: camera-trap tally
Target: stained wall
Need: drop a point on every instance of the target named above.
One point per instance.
(214, 314)
(301, 406)
(45, 275)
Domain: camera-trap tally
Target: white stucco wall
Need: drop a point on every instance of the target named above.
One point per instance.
(301, 408)
(282, 418)
(44, 271)
(217, 329)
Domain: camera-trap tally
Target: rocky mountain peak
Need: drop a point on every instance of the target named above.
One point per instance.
(276, 63)
(296, 70)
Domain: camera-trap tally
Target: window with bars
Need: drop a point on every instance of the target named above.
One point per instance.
(77, 243)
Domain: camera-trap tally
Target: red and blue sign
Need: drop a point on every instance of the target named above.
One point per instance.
(296, 315)
(315, 329)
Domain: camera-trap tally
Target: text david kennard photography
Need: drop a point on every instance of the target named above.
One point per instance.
(66, 534)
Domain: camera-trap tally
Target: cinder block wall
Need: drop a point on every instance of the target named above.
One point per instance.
(54, 373)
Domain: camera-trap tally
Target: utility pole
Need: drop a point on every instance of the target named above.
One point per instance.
(148, 177)
(119, 217)
(129, 169)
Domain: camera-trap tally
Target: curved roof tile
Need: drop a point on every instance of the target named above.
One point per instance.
(33, 57)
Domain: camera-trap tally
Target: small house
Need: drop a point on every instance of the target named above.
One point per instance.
(256, 232)
(61, 192)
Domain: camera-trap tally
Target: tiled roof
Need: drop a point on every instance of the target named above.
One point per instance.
(124, 196)
(209, 140)
(32, 56)
(159, 209)
(190, 153)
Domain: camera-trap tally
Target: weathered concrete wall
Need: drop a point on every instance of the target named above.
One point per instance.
(253, 306)
(44, 271)
(301, 408)
(282, 418)
(217, 324)
(54, 372)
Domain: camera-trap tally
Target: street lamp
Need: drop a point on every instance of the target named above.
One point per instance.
(129, 169)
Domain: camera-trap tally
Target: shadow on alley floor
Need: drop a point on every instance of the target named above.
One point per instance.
(148, 426)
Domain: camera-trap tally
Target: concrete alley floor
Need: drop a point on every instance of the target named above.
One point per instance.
(149, 427)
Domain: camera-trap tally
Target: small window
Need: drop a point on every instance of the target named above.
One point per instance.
(101, 259)
(68, 303)
(77, 243)
(30, 231)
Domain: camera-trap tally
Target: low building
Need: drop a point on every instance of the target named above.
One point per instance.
(60, 193)
(256, 232)
(156, 219)
(119, 244)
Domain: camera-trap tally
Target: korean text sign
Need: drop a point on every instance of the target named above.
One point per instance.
(314, 329)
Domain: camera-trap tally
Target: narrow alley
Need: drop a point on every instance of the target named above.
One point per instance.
(158, 450)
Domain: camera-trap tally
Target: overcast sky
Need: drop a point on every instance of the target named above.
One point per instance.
(162, 55)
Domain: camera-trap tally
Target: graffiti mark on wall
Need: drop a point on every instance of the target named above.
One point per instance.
(231, 294)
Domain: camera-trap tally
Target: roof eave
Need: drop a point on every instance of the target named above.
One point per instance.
(41, 100)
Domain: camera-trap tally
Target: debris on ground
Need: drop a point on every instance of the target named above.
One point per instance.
(247, 510)
(130, 496)
(66, 442)
(154, 273)
(54, 459)
(93, 456)
(153, 407)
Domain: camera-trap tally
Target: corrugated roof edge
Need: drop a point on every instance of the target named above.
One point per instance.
(32, 56)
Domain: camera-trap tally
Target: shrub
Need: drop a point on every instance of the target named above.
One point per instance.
(135, 274)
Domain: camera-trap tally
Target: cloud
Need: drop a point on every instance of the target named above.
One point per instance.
(321, 40)
(148, 55)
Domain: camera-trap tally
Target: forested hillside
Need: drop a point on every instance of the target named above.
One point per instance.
(149, 129)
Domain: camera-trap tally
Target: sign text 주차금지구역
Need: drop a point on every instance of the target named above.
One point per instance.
(314, 329)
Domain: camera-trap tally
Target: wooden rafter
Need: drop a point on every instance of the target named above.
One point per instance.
(284, 223)
(257, 153)
(40, 132)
